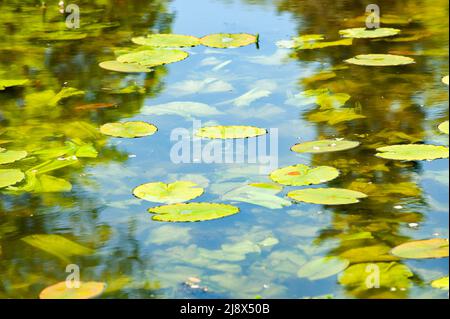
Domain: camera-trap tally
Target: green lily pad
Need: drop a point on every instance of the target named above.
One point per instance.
(7, 157)
(228, 40)
(380, 60)
(86, 290)
(58, 246)
(327, 196)
(124, 67)
(413, 152)
(153, 57)
(192, 212)
(363, 33)
(128, 129)
(422, 249)
(10, 177)
(260, 194)
(322, 268)
(443, 127)
(230, 132)
(301, 175)
(445, 79)
(441, 283)
(167, 40)
(324, 146)
(4, 84)
(174, 193)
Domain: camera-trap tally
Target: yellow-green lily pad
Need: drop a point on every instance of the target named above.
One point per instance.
(192, 212)
(322, 268)
(174, 193)
(443, 127)
(363, 33)
(301, 175)
(230, 132)
(441, 283)
(324, 146)
(4, 84)
(10, 177)
(86, 290)
(445, 79)
(117, 66)
(413, 152)
(380, 60)
(228, 40)
(153, 57)
(422, 249)
(128, 129)
(7, 157)
(327, 196)
(167, 40)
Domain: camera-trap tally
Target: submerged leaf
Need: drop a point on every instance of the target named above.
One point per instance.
(302, 175)
(423, 249)
(363, 33)
(4, 84)
(333, 117)
(380, 60)
(230, 132)
(64, 94)
(228, 40)
(167, 40)
(327, 196)
(192, 212)
(174, 193)
(441, 283)
(128, 129)
(124, 67)
(413, 152)
(85, 290)
(153, 57)
(324, 146)
(258, 194)
(322, 268)
(10, 177)
(7, 157)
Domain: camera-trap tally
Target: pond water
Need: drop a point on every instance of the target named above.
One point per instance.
(258, 252)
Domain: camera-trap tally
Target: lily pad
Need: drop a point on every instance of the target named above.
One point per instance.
(363, 33)
(441, 283)
(301, 175)
(322, 268)
(4, 84)
(167, 40)
(422, 249)
(10, 177)
(443, 127)
(324, 146)
(86, 290)
(192, 212)
(174, 193)
(228, 40)
(7, 157)
(327, 196)
(380, 60)
(230, 132)
(413, 152)
(128, 129)
(124, 67)
(153, 57)
(260, 194)
(445, 80)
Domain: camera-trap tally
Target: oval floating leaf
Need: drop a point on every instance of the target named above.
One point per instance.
(4, 84)
(128, 129)
(322, 268)
(324, 146)
(124, 67)
(380, 60)
(86, 290)
(441, 283)
(228, 40)
(327, 196)
(445, 79)
(153, 57)
(413, 152)
(443, 127)
(363, 33)
(167, 40)
(177, 192)
(422, 249)
(192, 212)
(7, 157)
(301, 175)
(230, 132)
(10, 177)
